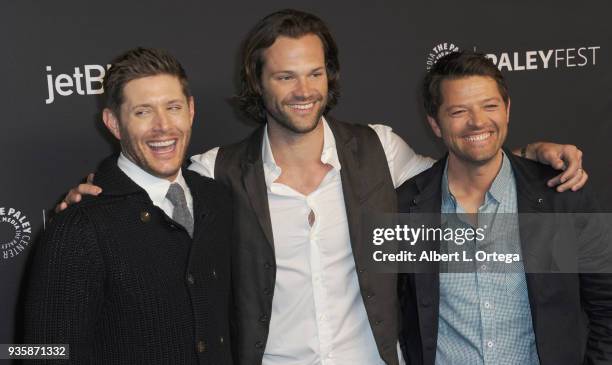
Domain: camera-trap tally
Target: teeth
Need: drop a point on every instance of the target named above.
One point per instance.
(301, 106)
(162, 143)
(478, 137)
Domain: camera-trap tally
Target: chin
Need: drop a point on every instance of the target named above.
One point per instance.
(164, 172)
(481, 159)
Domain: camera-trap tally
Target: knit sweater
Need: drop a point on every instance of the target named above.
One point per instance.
(122, 283)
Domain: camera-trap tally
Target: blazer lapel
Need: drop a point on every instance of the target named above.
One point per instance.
(428, 201)
(351, 188)
(536, 258)
(255, 184)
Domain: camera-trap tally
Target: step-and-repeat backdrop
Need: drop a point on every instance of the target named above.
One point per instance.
(555, 55)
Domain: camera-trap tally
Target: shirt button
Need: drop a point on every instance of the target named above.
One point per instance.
(258, 344)
(145, 217)
(263, 318)
(268, 265)
(490, 344)
(214, 273)
(487, 305)
(201, 346)
(370, 296)
(483, 268)
(267, 291)
(190, 279)
(221, 340)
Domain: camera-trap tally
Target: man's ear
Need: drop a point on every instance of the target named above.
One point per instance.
(508, 111)
(191, 105)
(111, 122)
(434, 126)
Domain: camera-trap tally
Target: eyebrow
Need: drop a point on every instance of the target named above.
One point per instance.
(146, 105)
(320, 68)
(495, 98)
(173, 101)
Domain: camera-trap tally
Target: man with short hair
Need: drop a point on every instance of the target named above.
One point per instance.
(300, 182)
(139, 275)
(502, 317)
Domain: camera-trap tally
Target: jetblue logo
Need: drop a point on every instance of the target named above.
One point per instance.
(85, 80)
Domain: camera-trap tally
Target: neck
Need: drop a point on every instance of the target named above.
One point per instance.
(132, 160)
(471, 181)
(290, 148)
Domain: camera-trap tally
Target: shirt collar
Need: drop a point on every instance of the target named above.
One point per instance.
(503, 179)
(329, 155)
(496, 191)
(156, 187)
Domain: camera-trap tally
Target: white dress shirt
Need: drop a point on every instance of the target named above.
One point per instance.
(156, 187)
(318, 314)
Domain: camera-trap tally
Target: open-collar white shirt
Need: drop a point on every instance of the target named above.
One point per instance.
(318, 314)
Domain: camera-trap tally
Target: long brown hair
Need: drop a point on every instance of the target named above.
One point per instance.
(289, 23)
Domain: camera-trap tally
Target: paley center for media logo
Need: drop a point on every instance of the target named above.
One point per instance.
(528, 60)
(16, 232)
(85, 82)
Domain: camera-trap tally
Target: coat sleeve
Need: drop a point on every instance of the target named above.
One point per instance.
(65, 287)
(595, 236)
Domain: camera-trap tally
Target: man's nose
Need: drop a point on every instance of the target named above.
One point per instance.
(303, 88)
(161, 120)
(478, 118)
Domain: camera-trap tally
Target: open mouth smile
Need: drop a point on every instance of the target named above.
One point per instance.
(475, 138)
(301, 108)
(163, 146)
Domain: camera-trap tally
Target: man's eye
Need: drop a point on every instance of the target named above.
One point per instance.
(141, 113)
(491, 106)
(174, 107)
(318, 74)
(457, 113)
(284, 78)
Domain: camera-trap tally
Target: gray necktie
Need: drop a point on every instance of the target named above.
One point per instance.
(180, 214)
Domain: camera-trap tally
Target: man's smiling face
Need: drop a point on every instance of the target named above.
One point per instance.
(472, 119)
(154, 125)
(294, 82)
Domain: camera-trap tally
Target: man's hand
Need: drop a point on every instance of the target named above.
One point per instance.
(564, 157)
(76, 194)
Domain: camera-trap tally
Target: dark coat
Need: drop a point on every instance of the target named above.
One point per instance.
(122, 283)
(558, 302)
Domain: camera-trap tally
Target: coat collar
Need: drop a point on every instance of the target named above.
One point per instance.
(113, 181)
(530, 185)
(116, 183)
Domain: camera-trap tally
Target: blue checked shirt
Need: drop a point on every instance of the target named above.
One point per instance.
(485, 317)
